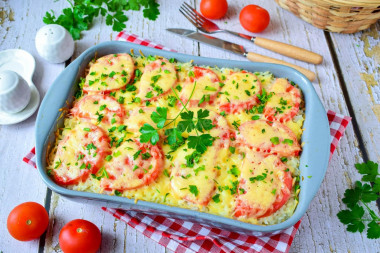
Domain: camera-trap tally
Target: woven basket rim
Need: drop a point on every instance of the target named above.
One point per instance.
(352, 3)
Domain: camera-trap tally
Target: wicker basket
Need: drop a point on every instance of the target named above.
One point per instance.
(342, 16)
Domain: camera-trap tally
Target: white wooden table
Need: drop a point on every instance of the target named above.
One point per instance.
(347, 82)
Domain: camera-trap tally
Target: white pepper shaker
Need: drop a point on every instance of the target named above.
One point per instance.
(54, 43)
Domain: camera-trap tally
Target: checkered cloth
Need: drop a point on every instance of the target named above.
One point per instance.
(184, 236)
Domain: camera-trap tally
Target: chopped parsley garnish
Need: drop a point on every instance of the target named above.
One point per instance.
(288, 141)
(261, 177)
(194, 190)
(146, 156)
(216, 198)
(236, 124)
(200, 168)
(210, 88)
(121, 100)
(234, 171)
(149, 94)
(135, 155)
(275, 140)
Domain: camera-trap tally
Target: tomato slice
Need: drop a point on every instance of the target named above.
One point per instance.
(98, 108)
(284, 103)
(267, 186)
(110, 72)
(193, 174)
(79, 154)
(239, 92)
(157, 79)
(134, 166)
(206, 90)
(268, 138)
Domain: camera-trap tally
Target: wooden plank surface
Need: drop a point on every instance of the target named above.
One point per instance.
(320, 230)
(19, 182)
(359, 59)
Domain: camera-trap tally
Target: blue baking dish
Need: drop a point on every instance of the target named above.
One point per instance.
(315, 139)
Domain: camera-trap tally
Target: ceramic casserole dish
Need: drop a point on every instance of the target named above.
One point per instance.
(315, 138)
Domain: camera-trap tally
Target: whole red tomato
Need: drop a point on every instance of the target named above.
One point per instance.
(254, 18)
(214, 9)
(27, 221)
(80, 236)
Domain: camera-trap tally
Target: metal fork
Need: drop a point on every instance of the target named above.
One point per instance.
(208, 26)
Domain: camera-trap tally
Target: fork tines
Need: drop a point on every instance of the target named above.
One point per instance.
(192, 15)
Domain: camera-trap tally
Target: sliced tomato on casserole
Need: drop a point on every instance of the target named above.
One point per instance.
(99, 108)
(207, 86)
(193, 174)
(239, 92)
(268, 137)
(265, 185)
(109, 73)
(132, 166)
(157, 79)
(80, 154)
(284, 102)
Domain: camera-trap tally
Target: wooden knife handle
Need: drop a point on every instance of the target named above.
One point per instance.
(261, 58)
(289, 50)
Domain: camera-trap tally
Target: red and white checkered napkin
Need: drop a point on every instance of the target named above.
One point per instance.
(184, 236)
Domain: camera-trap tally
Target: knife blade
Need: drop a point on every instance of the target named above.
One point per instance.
(237, 49)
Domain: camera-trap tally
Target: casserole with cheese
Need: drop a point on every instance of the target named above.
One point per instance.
(217, 140)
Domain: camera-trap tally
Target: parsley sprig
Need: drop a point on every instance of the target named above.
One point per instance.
(81, 13)
(187, 122)
(359, 196)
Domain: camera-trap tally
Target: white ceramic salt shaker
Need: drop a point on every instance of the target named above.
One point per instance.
(14, 92)
(54, 43)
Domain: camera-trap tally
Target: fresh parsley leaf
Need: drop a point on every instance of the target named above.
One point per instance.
(360, 195)
(200, 143)
(369, 171)
(202, 122)
(149, 133)
(187, 123)
(159, 117)
(79, 17)
(352, 218)
(373, 231)
(174, 135)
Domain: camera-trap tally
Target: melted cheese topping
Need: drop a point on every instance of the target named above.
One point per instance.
(240, 87)
(266, 182)
(110, 72)
(210, 182)
(158, 77)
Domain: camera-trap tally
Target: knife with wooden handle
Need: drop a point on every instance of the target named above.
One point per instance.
(283, 48)
(238, 49)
